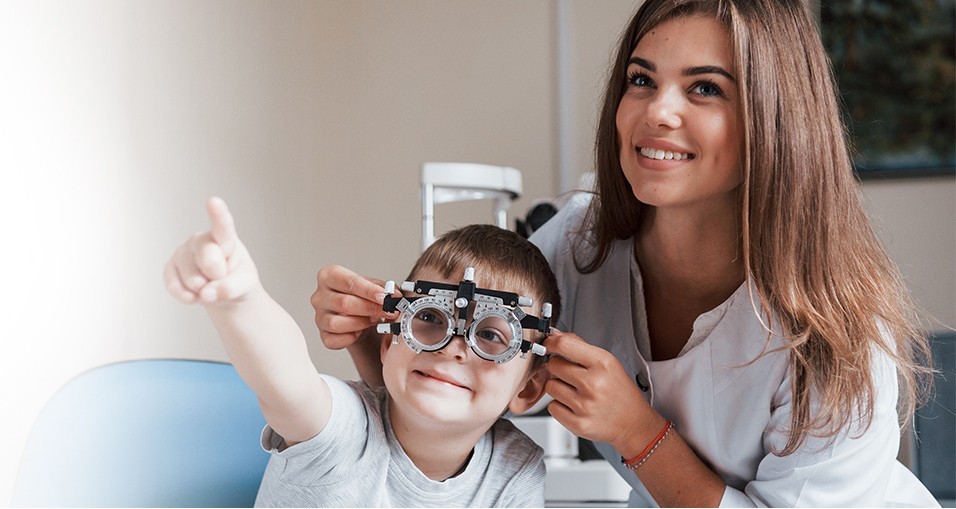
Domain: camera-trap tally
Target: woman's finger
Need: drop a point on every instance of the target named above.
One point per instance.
(562, 391)
(344, 324)
(564, 415)
(342, 280)
(567, 371)
(354, 306)
(573, 348)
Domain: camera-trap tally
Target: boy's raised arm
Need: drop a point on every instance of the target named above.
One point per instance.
(264, 343)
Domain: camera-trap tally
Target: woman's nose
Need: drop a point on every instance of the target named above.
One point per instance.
(665, 109)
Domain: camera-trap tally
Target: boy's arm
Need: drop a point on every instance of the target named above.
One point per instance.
(269, 351)
(263, 342)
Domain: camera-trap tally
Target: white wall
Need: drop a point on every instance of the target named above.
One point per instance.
(118, 119)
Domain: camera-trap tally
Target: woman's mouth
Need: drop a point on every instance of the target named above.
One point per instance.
(660, 155)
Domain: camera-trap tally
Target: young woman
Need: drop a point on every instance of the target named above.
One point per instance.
(736, 333)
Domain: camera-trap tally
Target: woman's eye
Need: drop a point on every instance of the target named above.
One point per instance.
(639, 79)
(708, 89)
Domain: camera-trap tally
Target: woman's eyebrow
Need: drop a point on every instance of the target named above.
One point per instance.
(709, 69)
(643, 63)
(690, 71)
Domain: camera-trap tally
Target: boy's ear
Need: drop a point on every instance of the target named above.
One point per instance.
(530, 393)
(386, 342)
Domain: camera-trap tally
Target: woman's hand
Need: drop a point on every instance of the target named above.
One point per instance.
(594, 397)
(346, 304)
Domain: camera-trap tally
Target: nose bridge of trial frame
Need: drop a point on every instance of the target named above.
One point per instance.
(454, 182)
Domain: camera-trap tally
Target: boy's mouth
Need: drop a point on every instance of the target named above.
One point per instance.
(441, 378)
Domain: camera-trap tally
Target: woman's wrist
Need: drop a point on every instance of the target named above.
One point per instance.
(640, 436)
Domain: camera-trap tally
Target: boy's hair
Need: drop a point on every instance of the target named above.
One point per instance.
(503, 261)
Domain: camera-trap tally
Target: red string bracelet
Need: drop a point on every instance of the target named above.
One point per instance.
(639, 460)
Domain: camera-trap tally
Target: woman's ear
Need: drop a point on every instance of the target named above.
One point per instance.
(530, 393)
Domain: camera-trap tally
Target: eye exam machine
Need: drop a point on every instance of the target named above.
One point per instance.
(571, 481)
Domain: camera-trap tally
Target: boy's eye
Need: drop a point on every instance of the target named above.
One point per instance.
(429, 326)
(490, 335)
(428, 317)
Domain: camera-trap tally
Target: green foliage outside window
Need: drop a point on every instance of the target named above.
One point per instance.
(895, 63)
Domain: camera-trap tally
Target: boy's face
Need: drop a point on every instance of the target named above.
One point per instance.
(452, 387)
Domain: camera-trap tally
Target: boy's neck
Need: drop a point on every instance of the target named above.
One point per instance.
(438, 451)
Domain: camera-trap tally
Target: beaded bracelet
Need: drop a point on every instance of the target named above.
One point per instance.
(635, 462)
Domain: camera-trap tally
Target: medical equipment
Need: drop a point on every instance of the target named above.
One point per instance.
(456, 182)
(428, 322)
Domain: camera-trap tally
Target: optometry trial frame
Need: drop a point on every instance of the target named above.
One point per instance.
(428, 322)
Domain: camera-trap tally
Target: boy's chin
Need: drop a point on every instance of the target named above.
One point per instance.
(443, 415)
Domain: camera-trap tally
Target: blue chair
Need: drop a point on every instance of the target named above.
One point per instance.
(151, 433)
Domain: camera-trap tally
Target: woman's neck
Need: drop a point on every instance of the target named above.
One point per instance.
(690, 264)
(694, 255)
(439, 452)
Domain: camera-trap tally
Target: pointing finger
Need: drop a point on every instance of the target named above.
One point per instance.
(223, 227)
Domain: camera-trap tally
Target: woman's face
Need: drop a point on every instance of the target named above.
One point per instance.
(678, 118)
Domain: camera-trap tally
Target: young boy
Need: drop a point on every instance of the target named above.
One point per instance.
(433, 435)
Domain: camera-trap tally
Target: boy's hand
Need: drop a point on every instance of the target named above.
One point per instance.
(212, 267)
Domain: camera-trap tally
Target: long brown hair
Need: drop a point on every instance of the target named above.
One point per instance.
(808, 248)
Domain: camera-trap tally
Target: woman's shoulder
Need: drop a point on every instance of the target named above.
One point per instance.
(556, 236)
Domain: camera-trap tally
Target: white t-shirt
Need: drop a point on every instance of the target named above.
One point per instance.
(356, 461)
(728, 402)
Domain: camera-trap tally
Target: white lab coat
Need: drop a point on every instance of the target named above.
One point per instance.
(729, 403)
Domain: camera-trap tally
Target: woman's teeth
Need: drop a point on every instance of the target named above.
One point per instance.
(663, 154)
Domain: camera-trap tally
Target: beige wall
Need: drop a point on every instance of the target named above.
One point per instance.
(916, 219)
(311, 119)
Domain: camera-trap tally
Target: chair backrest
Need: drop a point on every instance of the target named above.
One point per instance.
(152, 433)
(936, 425)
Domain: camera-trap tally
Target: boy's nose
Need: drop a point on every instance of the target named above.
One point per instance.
(456, 347)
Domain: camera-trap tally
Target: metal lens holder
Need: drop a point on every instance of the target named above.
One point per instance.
(454, 303)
